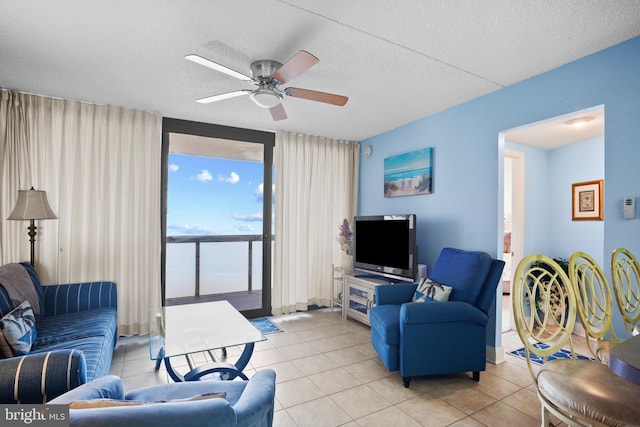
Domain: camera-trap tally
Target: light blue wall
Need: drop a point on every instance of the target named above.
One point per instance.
(465, 209)
(575, 163)
(537, 185)
(549, 228)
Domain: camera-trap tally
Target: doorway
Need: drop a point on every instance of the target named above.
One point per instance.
(217, 216)
(543, 141)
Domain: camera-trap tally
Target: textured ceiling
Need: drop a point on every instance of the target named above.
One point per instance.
(396, 61)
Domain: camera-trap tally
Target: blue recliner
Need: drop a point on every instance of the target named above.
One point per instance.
(429, 338)
(247, 403)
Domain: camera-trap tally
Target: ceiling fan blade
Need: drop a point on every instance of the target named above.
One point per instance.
(312, 95)
(222, 96)
(215, 66)
(278, 113)
(299, 63)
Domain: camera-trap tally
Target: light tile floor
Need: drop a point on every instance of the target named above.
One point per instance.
(329, 375)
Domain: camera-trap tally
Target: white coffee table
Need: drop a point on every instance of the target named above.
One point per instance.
(182, 330)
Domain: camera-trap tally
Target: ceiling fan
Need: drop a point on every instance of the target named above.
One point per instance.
(268, 75)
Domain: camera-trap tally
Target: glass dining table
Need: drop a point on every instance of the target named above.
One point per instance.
(209, 327)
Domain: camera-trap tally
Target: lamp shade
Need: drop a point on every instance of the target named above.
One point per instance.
(32, 204)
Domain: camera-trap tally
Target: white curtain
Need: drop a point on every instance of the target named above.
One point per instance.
(100, 166)
(316, 189)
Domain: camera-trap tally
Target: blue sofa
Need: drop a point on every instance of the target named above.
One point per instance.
(245, 403)
(429, 338)
(75, 335)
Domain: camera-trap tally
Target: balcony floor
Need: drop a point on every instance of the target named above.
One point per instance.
(242, 301)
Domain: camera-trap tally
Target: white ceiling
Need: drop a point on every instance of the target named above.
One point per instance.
(557, 132)
(396, 61)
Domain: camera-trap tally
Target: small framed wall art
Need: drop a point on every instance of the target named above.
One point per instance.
(409, 174)
(586, 200)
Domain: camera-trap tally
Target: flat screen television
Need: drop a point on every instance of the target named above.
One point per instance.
(386, 245)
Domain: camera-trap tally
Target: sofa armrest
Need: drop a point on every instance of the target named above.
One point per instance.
(257, 399)
(449, 312)
(107, 387)
(397, 293)
(75, 297)
(39, 377)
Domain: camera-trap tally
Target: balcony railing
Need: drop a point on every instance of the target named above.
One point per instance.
(200, 266)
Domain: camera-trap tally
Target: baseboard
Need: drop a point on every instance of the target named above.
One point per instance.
(579, 330)
(495, 355)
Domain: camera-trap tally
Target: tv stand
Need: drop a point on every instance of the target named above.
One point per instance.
(358, 295)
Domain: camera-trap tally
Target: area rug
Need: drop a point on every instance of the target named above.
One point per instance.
(265, 326)
(562, 354)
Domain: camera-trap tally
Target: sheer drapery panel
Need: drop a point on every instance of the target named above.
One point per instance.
(100, 166)
(316, 189)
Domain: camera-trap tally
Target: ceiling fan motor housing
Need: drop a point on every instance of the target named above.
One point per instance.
(266, 96)
(264, 69)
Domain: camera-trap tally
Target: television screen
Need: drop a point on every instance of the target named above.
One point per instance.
(386, 245)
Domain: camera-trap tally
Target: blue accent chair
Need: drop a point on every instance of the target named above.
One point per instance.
(431, 338)
(247, 403)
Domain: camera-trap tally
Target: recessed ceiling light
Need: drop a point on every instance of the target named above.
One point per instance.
(579, 121)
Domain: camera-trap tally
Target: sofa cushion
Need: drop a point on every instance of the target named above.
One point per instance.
(385, 320)
(65, 327)
(97, 351)
(95, 337)
(19, 329)
(465, 271)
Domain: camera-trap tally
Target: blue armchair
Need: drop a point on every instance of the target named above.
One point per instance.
(247, 403)
(430, 338)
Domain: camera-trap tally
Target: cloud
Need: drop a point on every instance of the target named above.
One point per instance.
(184, 229)
(233, 178)
(248, 218)
(244, 227)
(173, 167)
(260, 192)
(204, 176)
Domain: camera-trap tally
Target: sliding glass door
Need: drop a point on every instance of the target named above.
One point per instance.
(217, 216)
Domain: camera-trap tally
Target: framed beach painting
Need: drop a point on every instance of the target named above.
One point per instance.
(409, 174)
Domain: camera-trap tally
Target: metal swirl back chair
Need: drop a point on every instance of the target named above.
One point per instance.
(579, 392)
(594, 305)
(625, 271)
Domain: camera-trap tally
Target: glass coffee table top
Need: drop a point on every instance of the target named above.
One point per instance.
(192, 328)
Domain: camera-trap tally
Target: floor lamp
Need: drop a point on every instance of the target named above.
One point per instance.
(32, 204)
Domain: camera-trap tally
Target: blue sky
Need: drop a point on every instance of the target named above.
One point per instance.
(413, 160)
(214, 196)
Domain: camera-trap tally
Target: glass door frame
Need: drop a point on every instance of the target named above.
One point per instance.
(171, 125)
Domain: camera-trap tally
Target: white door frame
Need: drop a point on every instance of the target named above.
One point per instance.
(517, 215)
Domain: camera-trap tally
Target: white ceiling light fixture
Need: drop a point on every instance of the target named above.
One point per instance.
(579, 121)
(266, 97)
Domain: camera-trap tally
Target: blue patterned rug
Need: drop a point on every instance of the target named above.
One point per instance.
(562, 354)
(265, 326)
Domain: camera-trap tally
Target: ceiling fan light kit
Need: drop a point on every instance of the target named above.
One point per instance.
(268, 75)
(266, 98)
